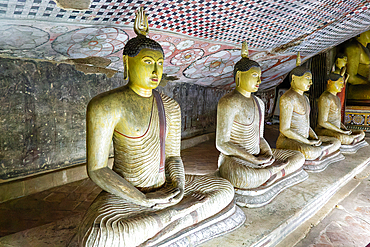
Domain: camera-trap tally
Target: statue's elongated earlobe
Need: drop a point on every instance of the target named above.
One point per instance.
(237, 79)
(125, 67)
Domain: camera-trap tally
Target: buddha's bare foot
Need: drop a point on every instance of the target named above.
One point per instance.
(271, 180)
(325, 149)
(326, 145)
(356, 139)
(278, 165)
(175, 216)
(165, 233)
(190, 203)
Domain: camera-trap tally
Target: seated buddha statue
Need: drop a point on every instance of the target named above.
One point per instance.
(358, 67)
(328, 122)
(146, 196)
(246, 159)
(295, 130)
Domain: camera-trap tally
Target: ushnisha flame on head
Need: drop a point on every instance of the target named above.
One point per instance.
(141, 28)
(299, 70)
(245, 63)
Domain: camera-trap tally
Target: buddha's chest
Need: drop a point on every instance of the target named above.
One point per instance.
(300, 106)
(247, 114)
(135, 120)
(335, 103)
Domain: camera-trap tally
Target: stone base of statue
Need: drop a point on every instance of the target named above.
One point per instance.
(351, 149)
(262, 195)
(319, 165)
(227, 220)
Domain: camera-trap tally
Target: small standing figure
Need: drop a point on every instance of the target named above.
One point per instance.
(295, 130)
(329, 123)
(246, 158)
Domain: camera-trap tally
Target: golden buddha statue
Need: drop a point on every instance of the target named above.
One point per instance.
(329, 116)
(246, 159)
(340, 69)
(358, 67)
(146, 196)
(295, 130)
(340, 64)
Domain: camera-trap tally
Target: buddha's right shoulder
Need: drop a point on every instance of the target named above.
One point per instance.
(228, 99)
(108, 99)
(288, 97)
(325, 94)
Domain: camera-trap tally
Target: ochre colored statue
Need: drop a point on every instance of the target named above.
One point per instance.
(295, 130)
(340, 69)
(358, 67)
(246, 159)
(147, 197)
(328, 122)
(340, 64)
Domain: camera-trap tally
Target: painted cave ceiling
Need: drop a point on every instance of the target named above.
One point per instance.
(201, 38)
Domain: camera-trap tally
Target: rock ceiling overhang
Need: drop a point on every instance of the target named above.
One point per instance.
(201, 39)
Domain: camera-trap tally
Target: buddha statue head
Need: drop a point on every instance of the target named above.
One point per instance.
(300, 77)
(142, 58)
(335, 83)
(340, 61)
(247, 73)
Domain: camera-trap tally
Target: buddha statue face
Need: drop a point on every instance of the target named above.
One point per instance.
(341, 62)
(249, 80)
(145, 69)
(336, 86)
(303, 82)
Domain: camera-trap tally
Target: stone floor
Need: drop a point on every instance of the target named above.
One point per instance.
(62, 207)
(348, 224)
(47, 206)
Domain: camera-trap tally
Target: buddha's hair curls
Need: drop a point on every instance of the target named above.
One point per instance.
(135, 45)
(334, 77)
(298, 71)
(245, 64)
(340, 55)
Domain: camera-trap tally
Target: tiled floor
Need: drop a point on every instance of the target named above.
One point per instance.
(70, 202)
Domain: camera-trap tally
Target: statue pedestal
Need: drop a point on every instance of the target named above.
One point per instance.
(320, 165)
(262, 195)
(351, 149)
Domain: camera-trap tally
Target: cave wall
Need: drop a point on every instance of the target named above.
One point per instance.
(43, 107)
